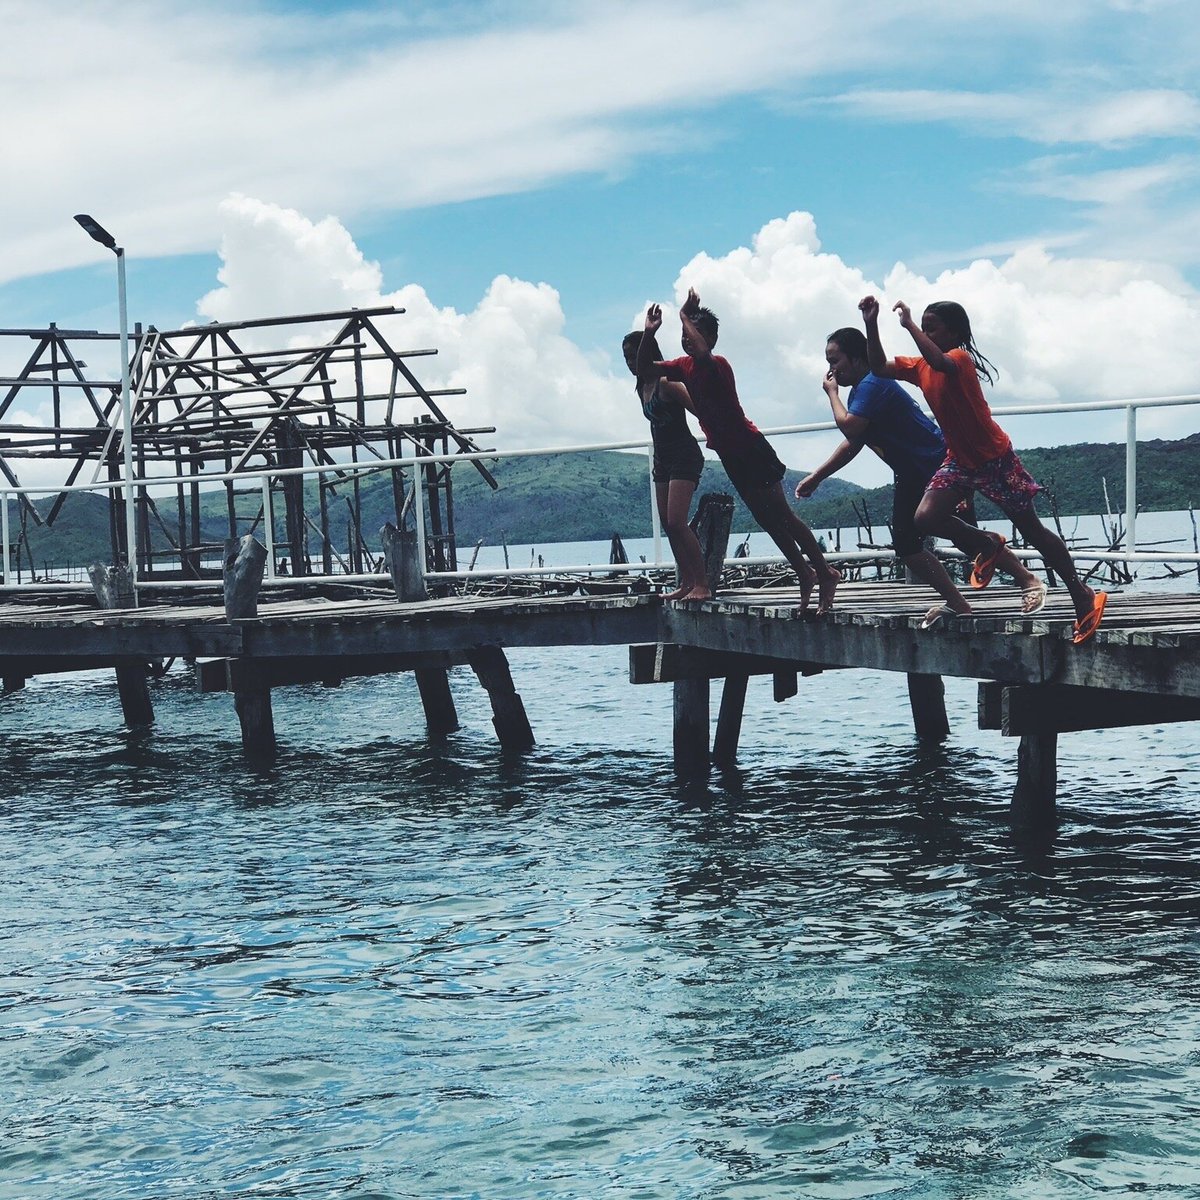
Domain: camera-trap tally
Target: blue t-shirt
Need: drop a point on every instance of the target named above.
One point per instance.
(900, 433)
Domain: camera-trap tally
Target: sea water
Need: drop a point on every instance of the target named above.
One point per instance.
(386, 967)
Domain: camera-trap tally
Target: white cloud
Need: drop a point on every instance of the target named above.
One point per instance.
(520, 371)
(1092, 115)
(1060, 329)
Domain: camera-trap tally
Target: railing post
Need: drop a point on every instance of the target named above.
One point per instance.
(1131, 479)
(4, 534)
(269, 527)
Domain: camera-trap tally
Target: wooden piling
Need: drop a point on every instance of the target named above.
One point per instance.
(245, 560)
(402, 556)
(690, 726)
(927, 699)
(114, 589)
(508, 712)
(1033, 801)
(927, 694)
(729, 719)
(441, 717)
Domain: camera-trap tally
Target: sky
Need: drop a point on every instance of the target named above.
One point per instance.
(523, 178)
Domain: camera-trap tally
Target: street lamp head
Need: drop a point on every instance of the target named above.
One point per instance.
(96, 231)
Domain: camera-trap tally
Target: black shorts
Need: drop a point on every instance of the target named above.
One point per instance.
(755, 467)
(677, 458)
(909, 489)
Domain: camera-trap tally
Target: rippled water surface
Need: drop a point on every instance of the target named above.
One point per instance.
(390, 968)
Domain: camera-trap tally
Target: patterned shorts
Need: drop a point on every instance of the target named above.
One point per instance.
(1002, 480)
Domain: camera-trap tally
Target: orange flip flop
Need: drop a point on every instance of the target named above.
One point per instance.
(1088, 625)
(984, 566)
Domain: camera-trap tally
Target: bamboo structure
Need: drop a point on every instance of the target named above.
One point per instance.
(320, 389)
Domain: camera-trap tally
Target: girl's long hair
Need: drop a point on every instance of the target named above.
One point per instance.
(954, 317)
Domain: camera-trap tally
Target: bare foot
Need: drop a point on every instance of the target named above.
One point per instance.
(825, 592)
(807, 583)
(678, 593)
(699, 592)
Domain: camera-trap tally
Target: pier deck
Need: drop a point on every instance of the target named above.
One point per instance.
(1142, 666)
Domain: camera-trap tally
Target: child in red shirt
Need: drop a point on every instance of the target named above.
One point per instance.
(979, 457)
(752, 466)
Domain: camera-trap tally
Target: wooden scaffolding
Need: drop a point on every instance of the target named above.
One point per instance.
(322, 389)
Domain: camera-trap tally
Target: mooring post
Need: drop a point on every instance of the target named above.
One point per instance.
(729, 719)
(113, 587)
(927, 698)
(508, 712)
(245, 560)
(1033, 801)
(712, 523)
(400, 552)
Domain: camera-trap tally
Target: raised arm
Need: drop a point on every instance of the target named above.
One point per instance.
(698, 348)
(646, 366)
(935, 357)
(879, 362)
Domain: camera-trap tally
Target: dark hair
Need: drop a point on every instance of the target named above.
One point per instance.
(634, 339)
(955, 318)
(706, 324)
(851, 342)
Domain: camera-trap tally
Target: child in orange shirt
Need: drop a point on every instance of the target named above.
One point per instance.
(979, 457)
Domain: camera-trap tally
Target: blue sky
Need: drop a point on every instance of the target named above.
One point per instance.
(1036, 162)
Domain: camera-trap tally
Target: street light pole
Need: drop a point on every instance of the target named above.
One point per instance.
(98, 233)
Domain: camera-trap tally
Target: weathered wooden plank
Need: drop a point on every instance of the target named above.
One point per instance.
(1053, 708)
(664, 663)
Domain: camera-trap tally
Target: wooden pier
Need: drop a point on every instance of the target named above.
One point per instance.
(1142, 667)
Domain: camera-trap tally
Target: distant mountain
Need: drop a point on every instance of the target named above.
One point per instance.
(590, 496)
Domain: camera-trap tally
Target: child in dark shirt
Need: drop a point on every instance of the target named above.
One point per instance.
(752, 466)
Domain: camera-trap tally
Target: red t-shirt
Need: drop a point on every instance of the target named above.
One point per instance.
(714, 396)
(972, 436)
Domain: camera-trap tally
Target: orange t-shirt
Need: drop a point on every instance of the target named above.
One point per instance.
(972, 436)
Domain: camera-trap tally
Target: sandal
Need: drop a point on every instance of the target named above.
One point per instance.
(936, 614)
(1086, 626)
(1033, 599)
(984, 566)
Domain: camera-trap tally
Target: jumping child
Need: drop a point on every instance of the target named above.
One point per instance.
(879, 413)
(677, 460)
(979, 457)
(752, 466)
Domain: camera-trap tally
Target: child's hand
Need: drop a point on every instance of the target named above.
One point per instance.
(905, 313)
(830, 384)
(869, 307)
(653, 318)
(807, 486)
(691, 306)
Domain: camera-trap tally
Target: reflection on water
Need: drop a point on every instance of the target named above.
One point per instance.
(382, 968)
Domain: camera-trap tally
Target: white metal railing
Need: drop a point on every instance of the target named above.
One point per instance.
(264, 476)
